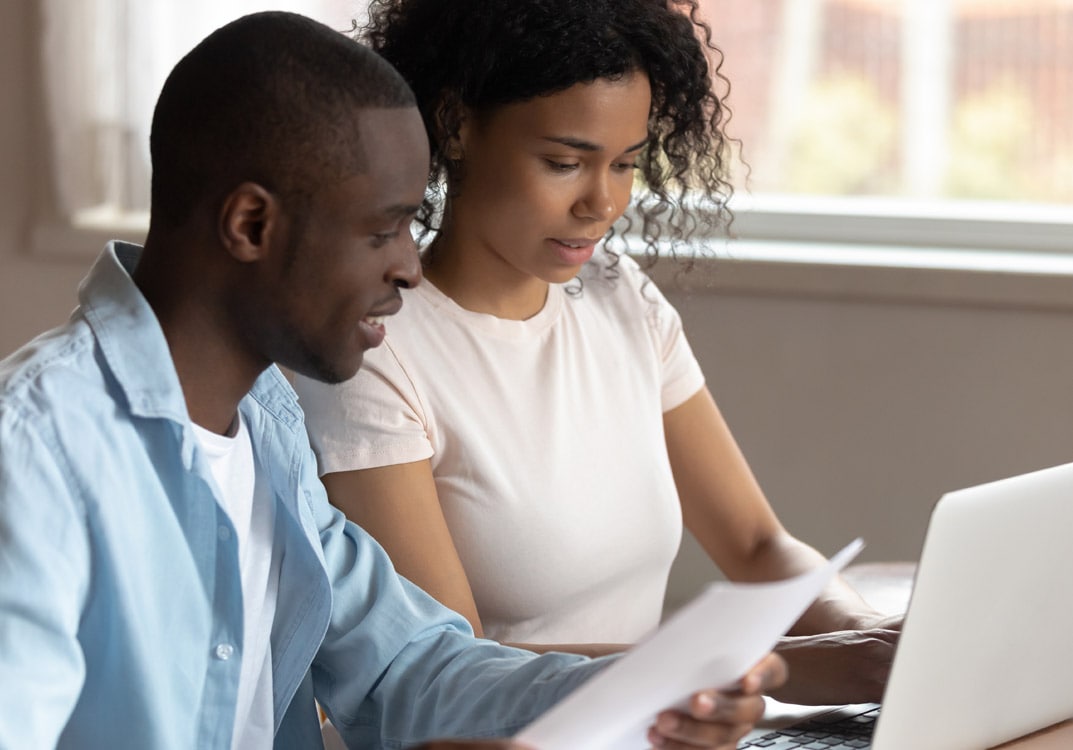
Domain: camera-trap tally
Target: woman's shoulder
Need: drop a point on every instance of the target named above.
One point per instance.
(419, 305)
(620, 277)
(605, 260)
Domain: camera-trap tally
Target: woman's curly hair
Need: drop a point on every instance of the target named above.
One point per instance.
(484, 53)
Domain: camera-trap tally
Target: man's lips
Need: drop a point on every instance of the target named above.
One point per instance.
(383, 310)
(373, 323)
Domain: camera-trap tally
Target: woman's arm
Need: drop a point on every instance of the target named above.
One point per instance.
(398, 505)
(725, 509)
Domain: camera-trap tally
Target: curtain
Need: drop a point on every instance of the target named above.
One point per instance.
(104, 64)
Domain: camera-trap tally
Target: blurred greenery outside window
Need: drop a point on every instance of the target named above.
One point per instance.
(924, 122)
(945, 123)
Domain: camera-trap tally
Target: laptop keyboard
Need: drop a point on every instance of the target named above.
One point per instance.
(821, 733)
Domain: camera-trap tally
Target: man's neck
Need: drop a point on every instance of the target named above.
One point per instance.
(215, 369)
(213, 374)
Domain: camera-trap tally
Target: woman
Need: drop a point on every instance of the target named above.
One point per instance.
(535, 430)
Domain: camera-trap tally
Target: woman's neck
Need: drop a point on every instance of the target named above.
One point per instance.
(483, 284)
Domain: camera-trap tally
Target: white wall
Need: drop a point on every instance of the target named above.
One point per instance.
(856, 414)
(35, 294)
(856, 411)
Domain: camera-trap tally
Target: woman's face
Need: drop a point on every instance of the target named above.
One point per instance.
(544, 180)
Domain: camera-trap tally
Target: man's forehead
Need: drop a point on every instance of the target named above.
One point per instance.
(394, 146)
(391, 123)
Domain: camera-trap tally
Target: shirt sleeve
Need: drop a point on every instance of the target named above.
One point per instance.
(397, 668)
(374, 419)
(682, 376)
(44, 559)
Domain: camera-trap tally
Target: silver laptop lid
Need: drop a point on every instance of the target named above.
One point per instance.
(986, 652)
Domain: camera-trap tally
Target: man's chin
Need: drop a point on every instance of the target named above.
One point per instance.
(331, 373)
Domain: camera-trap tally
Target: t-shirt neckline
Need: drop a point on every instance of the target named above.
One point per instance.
(491, 324)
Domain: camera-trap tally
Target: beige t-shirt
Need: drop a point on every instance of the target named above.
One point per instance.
(546, 443)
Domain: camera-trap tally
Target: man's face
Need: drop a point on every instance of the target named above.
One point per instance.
(340, 263)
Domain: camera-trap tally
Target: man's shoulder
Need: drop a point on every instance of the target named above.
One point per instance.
(56, 409)
(59, 367)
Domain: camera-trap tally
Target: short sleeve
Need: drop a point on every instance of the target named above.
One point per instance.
(374, 419)
(682, 376)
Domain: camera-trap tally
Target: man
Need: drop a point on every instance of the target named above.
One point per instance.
(171, 574)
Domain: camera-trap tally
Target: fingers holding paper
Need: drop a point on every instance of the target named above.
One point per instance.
(717, 719)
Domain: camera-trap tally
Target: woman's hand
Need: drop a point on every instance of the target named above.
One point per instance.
(846, 666)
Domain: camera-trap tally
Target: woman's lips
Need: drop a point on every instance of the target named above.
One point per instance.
(574, 251)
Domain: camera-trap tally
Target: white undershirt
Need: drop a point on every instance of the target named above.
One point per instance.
(249, 505)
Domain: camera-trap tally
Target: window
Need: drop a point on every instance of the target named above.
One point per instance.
(920, 123)
(942, 123)
(104, 63)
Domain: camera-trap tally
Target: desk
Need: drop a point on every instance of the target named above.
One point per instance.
(1058, 737)
(886, 586)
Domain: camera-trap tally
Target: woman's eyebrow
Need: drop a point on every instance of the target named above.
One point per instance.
(583, 145)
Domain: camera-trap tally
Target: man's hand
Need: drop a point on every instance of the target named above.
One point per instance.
(717, 719)
(847, 666)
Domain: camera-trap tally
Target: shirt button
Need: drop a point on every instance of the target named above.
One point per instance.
(223, 651)
(222, 533)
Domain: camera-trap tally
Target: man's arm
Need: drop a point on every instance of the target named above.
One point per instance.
(399, 668)
(44, 564)
(716, 720)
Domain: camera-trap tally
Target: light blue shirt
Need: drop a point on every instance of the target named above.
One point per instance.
(120, 599)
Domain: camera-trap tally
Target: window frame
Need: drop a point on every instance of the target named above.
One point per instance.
(771, 234)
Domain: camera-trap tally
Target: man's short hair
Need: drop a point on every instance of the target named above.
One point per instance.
(269, 98)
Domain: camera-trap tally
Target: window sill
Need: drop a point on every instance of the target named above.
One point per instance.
(916, 275)
(910, 275)
(86, 236)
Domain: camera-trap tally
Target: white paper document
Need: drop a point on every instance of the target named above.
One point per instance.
(710, 642)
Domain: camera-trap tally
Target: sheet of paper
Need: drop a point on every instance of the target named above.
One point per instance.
(710, 642)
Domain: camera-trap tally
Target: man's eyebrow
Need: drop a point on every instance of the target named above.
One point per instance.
(582, 145)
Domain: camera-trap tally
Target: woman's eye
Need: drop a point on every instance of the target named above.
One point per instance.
(624, 166)
(561, 166)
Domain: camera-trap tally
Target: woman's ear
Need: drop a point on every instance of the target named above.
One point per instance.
(247, 218)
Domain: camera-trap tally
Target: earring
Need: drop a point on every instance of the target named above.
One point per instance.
(453, 152)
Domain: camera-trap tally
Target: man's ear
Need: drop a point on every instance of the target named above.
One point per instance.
(248, 216)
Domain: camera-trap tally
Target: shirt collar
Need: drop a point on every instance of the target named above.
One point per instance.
(134, 347)
(129, 335)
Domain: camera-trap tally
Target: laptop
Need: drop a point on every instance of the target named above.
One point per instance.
(986, 652)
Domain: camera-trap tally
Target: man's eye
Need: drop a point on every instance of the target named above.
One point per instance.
(382, 238)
